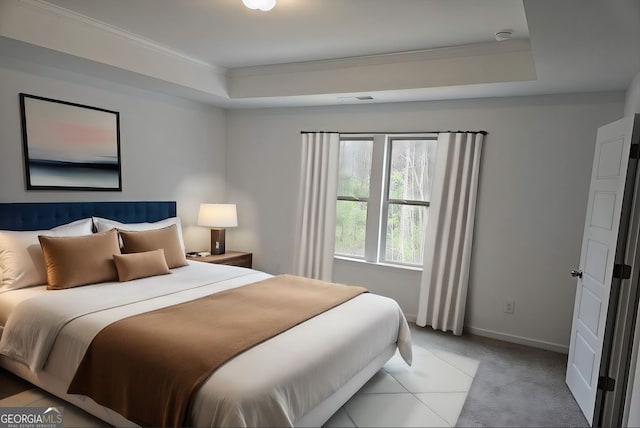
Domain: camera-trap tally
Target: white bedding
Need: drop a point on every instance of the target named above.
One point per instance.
(10, 299)
(273, 384)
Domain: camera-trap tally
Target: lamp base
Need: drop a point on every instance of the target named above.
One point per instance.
(217, 240)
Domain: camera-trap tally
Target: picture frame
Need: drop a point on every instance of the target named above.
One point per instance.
(70, 146)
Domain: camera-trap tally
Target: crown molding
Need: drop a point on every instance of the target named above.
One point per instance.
(453, 67)
(470, 50)
(136, 39)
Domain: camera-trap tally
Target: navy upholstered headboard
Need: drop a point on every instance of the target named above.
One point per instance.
(45, 215)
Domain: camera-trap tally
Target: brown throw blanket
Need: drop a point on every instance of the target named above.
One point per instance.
(147, 367)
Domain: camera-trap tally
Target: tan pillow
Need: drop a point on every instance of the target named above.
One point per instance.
(141, 265)
(149, 240)
(104, 224)
(82, 260)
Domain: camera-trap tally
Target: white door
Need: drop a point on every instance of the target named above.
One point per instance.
(595, 273)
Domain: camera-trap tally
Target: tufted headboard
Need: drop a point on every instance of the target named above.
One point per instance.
(45, 215)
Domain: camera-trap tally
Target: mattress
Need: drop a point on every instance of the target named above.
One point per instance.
(275, 383)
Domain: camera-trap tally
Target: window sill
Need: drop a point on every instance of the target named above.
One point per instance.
(381, 264)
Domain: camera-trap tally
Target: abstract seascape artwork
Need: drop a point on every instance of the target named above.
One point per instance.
(70, 146)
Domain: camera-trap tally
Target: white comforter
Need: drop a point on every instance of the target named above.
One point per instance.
(274, 383)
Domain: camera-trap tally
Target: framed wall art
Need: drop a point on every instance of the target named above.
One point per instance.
(70, 146)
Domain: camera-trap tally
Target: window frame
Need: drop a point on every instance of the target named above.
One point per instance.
(386, 200)
(361, 138)
(378, 201)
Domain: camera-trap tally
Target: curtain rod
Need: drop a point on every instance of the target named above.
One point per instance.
(394, 132)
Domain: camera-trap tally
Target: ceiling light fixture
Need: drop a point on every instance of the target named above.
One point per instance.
(263, 5)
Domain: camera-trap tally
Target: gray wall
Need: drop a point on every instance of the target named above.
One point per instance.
(531, 208)
(632, 104)
(171, 149)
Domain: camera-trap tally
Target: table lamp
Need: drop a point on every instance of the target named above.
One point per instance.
(217, 217)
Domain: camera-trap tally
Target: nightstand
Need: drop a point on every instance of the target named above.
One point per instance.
(233, 258)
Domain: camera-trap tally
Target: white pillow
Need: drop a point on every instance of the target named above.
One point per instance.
(21, 255)
(104, 224)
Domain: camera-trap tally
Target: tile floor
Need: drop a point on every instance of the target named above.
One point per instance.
(430, 393)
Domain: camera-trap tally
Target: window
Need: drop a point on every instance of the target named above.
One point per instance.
(353, 196)
(384, 188)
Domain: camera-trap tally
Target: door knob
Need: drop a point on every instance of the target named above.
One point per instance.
(576, 273)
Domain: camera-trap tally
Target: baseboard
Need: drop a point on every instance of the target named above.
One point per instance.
(535, 343)
(505, 337)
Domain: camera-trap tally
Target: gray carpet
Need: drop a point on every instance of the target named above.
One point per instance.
(515, 385)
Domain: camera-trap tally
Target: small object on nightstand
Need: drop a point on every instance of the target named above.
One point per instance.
(232, 258)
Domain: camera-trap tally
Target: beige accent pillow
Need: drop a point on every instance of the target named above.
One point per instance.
(83, 260)
(149, 240)
(21, 260)
(141, 265)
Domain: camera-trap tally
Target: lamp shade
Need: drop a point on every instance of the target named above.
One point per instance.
(218, 215)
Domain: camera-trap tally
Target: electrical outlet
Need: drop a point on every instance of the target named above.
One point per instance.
(509, 306)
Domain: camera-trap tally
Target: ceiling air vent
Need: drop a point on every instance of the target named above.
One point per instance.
(359, 98)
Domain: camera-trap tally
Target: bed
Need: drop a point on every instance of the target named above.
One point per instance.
(297, 378)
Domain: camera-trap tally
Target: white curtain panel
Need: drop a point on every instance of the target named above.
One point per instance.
(449, 235)
(316, 227)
